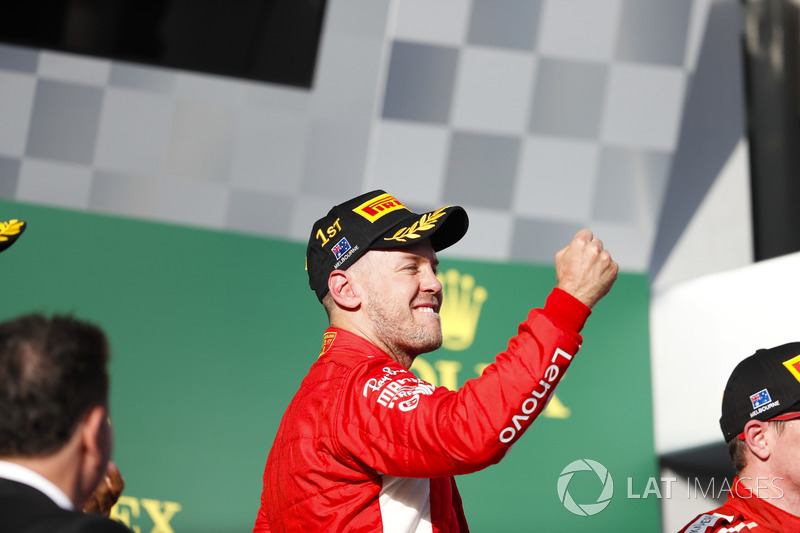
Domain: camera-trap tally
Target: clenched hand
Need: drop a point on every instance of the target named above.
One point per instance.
(585, 269)
(107, 492)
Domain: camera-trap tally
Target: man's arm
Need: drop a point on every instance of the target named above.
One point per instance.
(431, 433)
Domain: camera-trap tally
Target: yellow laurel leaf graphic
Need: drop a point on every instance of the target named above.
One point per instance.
(12, 227)
(425, 223)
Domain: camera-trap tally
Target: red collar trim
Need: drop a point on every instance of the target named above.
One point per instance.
(335, 339)
(742, 500)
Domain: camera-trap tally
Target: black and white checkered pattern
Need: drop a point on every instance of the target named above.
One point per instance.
(539, 116)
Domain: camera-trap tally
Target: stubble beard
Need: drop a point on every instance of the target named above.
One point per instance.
(401, 337)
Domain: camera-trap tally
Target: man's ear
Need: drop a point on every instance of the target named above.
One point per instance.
(343, 290)
(95, 433)
(757, 438)
(95, 451)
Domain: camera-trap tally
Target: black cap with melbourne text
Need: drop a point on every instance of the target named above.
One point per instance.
(761, 387)
(375, 220)
(10, 231)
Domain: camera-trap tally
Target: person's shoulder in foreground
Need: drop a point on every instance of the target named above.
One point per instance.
(55, 438)
(24, 509)
(761, 423)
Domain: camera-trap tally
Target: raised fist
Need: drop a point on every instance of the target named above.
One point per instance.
(585, 269)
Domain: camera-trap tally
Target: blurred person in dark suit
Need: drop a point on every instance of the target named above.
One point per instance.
(55, 434)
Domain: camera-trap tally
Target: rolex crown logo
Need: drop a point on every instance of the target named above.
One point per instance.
(461, 308)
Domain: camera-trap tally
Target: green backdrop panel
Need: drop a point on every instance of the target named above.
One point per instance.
(212, 333)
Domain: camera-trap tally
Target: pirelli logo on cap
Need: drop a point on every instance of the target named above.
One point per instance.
(375, 208)
(793, 365)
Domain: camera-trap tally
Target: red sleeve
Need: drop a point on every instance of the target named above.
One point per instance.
(402, 426)
(262, 523)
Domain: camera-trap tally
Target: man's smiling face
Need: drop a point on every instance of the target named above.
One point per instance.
(402, 297)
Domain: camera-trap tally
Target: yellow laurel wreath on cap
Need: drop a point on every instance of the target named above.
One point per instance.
(425, 223)
(10, 228)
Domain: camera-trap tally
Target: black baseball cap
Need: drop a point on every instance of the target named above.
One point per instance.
(761, 387)
(374, 220)
(10, 231)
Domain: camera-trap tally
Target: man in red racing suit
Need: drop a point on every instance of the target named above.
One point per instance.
(367, 446)
(744, 511)
(761, 424)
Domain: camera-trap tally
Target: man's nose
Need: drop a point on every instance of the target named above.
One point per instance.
(430, 282)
